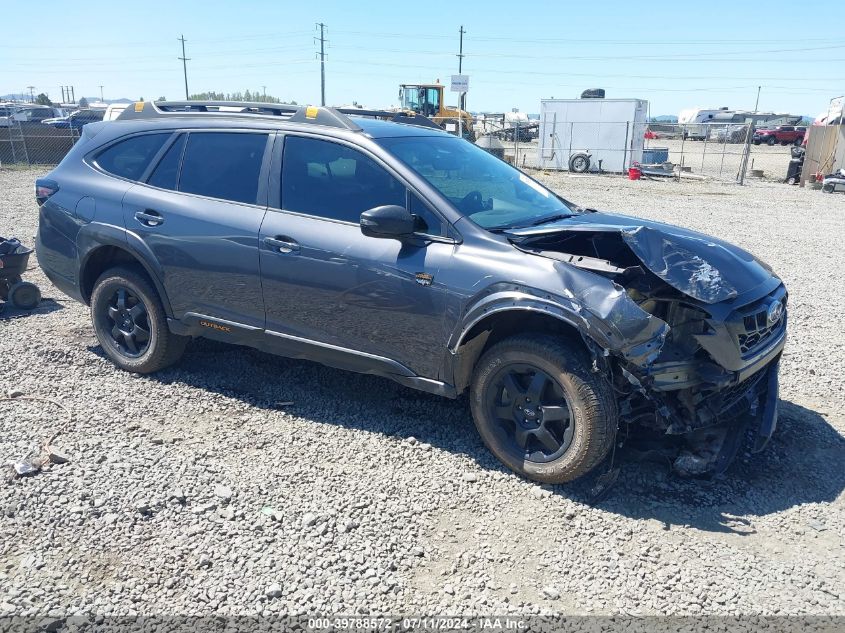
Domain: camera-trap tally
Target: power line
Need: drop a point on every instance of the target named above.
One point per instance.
(498, 73)
(534, 40)
(147, 44)
(184, 65)
(683, 57)
(55, 62)
(72, 62)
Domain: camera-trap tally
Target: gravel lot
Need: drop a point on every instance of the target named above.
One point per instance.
(194, 492)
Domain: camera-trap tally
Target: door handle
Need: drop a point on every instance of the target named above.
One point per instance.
(282, 244)
(149, 217)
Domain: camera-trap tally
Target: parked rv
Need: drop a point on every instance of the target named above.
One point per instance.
(693, 121)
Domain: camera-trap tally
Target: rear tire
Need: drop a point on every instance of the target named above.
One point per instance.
(556, 422)
(771, 141)
(130, 322)
(828, 188)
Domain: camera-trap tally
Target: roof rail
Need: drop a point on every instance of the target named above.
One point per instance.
(317, 115)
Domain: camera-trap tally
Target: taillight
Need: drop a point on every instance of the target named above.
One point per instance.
(44, 189)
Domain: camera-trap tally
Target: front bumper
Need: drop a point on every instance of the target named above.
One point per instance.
(769, 418)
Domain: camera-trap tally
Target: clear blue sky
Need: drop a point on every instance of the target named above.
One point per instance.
(675, 54)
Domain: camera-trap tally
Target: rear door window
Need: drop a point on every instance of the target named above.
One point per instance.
(223, 165)
(129, 158)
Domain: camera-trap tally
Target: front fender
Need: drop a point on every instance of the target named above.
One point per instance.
(508, 300)
(598, 308)
(95, 235)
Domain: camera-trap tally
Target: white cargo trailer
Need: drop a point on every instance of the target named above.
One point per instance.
(610, 132)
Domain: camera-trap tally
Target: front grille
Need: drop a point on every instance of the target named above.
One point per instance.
(755, 330)
(733, 395)
(736, 400)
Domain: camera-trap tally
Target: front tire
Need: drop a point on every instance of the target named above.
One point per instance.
(540, 410)
(130, 323)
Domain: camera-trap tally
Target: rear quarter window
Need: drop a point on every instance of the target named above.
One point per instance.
(166, 173)
(129, 158)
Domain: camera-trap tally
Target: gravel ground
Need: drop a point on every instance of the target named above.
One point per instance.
(242, 483)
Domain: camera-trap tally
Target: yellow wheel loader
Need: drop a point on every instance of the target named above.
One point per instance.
(427, 100)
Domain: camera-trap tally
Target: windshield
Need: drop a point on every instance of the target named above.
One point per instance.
(490, 192)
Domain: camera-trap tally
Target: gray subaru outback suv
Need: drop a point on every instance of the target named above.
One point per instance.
(398, 250)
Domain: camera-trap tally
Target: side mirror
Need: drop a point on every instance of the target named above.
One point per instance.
(390, 221)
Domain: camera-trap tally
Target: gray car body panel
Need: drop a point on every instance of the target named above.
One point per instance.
(357, 302)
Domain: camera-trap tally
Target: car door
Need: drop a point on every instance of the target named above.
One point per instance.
(198, 212)
(324, 281)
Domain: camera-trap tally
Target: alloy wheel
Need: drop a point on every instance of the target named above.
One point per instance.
(533, 418)
(130, 323)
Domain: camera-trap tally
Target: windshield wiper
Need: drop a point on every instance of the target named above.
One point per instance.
(546, 220)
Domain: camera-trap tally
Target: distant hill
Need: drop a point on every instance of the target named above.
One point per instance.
(15, 97)
(25, 97)
(665, 118)
(97, 100)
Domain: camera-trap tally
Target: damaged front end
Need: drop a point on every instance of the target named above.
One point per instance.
(717, 328)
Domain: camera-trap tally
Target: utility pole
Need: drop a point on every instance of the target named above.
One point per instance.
(63, 94)
(101, 94)
(322, 28)
(72, 94)
(461, 63)
(264, 92)
(31, 95)
(757, 103)
(184, 59)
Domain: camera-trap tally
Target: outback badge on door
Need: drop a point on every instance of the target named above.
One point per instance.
(424, 279)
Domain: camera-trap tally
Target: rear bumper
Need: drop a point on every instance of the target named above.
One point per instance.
(51, 260)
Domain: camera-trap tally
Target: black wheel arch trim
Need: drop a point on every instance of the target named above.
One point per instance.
(639, 342)
(95, 236)
(638, 338)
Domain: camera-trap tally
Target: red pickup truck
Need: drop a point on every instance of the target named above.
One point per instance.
(783, 134)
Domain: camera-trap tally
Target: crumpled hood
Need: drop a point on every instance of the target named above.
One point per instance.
(703, 267)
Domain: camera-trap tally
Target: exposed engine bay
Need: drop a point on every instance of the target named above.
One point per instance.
(712, 379)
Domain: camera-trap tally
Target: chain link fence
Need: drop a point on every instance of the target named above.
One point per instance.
(727, 152)
(24, 144)
(712, 151)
